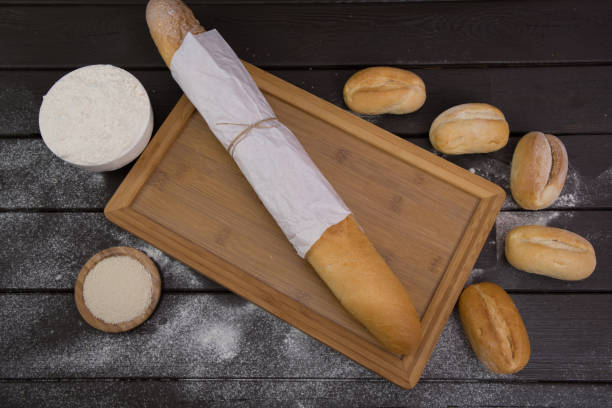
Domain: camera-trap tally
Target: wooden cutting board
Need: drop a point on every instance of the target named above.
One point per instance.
(427, 217)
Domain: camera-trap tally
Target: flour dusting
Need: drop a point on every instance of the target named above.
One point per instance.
(220, 339)
(20, 109)
(580, 191)
(475, 276)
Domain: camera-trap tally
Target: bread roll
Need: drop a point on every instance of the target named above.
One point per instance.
(469, 128)
(377, 90)
(539, 168)
(550, 251)
(494, 328)
(343, 256)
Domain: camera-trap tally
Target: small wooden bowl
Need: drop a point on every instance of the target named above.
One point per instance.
(130, 324)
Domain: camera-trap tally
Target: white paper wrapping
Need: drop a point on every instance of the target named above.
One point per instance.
(291, 187)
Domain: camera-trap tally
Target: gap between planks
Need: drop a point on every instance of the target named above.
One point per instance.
(223, 291)
(291, 379)
(355, 67)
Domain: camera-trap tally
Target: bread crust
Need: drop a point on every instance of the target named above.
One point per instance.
(343, 256)
(469, 128)
(549, 251)
(538, 172)
(364, 284)
(494, 328)
(378, 90)
(169, 22)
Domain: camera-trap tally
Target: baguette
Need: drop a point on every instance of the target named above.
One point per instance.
(550, 251)
(343, 257)
(494, 328)
(538, 171)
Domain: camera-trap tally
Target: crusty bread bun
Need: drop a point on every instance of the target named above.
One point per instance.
(377, 90)
(469, 128)
(494, 328)
(343, 256)
(549, 251)
(539, 168)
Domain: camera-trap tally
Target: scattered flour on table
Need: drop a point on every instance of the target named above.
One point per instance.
(198, 335)
(177, 273)
(574, 191)
(314, 355)
(20, 112)
(492, 169)
(453, 356)
(580, 191)
(577, 191)
(213, 330)
(475, 276)
(220, 339)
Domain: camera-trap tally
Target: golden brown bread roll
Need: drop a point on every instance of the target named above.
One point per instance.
(377, 90)
(549, 251)
(469, 128)
(539, 168)
(494, 328)
(343, 256)
(355, 272)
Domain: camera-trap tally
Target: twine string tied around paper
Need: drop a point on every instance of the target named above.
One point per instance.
(231, 148)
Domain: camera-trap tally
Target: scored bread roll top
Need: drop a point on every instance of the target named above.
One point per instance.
(538, 171)
(355, 272)
(378, 90)
(469, 128)
(343, 256)
(550, 251)
(494, 328)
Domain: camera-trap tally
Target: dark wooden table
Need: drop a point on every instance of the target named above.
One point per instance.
(546, 64)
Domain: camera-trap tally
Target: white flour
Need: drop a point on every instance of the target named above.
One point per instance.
(95, 115)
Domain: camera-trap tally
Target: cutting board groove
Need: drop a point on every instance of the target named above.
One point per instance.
(427, 217)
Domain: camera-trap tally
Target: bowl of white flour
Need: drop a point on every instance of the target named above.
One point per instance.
(98, 117)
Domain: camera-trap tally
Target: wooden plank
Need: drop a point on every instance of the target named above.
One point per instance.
(559, 100)
(212, 336)
(299, 393)
(419, 33)
(46, 251)
(33, 178)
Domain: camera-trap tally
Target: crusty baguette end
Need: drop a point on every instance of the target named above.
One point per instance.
(169, 22)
